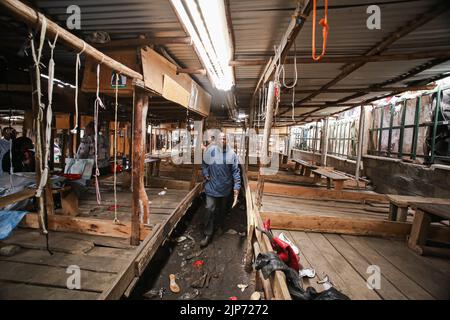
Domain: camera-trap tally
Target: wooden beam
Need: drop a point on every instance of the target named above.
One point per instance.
(192, 71)
(137, 42)
(98, 227)
(16, 197)
(340, 225)
(31, 17)
(141, 104)
(366, 90)
(351, 59)
(319, 193)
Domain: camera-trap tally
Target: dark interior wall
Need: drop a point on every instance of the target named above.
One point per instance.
(397, 177)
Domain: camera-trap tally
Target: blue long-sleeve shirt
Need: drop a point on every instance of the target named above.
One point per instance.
(222, 168)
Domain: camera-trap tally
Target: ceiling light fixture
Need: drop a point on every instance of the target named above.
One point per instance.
(206, 23)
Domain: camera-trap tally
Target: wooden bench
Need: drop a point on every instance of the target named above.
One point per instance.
(398, 208)
(304, 166)
(336, 178)
(154, 165)
(426, 214)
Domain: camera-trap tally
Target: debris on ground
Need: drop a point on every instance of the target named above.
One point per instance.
(326, 282)
(174, 287)
(194, 255)
(307, 272)
(180, 239)
(190, 295)
(199, 263)
(152, 294)
(162, 193)
(242, 286)
(233, 298)
(200, 282)
(9, 250)
(255, 296)
(231, 231)
(242, 234)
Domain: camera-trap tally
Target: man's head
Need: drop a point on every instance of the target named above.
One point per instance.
(9, 133)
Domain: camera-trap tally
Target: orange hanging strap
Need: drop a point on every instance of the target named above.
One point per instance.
(324, 23)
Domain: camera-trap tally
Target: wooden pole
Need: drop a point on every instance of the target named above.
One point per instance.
(264, 157)
(324, 150)
(31, 17)
(139, 200)
(360, 143)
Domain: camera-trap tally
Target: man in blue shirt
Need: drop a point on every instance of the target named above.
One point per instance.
(221, 170)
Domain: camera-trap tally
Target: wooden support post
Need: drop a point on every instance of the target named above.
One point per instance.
(140, 199)
(264, 157)
(419, 230)
(362, 118)
(324, 144)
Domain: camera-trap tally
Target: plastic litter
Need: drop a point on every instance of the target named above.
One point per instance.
(162, 193)
(242, 286)
(199, 263)
(231, 231)
(284, 238)
(307, 272)
(181, 239)
(232, 298)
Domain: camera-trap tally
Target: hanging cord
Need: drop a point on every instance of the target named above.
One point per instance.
(49, 115)
(97, 104)
(116, 220)
(324, 23)
(77, 68)
(11, 168)
(37, 62)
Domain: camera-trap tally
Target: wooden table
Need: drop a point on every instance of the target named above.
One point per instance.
(336, 178)
(398, 209)
(426, 214)
(154, 166)
(304, 166)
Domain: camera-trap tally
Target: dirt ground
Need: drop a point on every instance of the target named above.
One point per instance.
(211, 273)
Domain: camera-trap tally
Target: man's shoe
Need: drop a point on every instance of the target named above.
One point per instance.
(205, 241)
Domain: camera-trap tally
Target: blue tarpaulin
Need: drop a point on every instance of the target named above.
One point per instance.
(8, 221)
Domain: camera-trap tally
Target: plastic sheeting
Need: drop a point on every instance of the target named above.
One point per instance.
(8, 221)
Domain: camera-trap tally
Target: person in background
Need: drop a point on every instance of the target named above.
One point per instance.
(8, 134)
(86, 149)
(23, 159)
(221, 170)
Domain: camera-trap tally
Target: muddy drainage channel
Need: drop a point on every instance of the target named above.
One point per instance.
(212, 273)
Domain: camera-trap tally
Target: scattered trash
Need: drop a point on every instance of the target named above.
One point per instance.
(152, 294)
(242, 234)
(242, 286)
(190, 295)
(199, 263)
(8, 251)
(180, 254)
(181, 239)
(283, 237)
(162, 193)
(162, 292)
(307, 272)
(165, 188)
(194, 255)
(112, 207)
(200, 283)
(232, 298)
(326, 282)
(190, 238)
(255, 296)
(183, 263)
(231, 231)
(174, 287)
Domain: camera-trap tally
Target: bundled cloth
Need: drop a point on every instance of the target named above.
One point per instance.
(270, 262)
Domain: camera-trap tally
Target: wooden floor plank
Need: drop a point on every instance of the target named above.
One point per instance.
(317, 261)
(20, 291)
(63, 260)
(401, 281)
(307, 282)
(431, 279)
(52, 276)
(355, 283)
(360, 264)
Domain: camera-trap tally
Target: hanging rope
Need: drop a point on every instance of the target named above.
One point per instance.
(97, 104)
(77, 68)
(37, 62)
(324, 23)
(116, 220)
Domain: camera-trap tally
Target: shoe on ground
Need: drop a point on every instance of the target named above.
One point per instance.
(205, 241)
